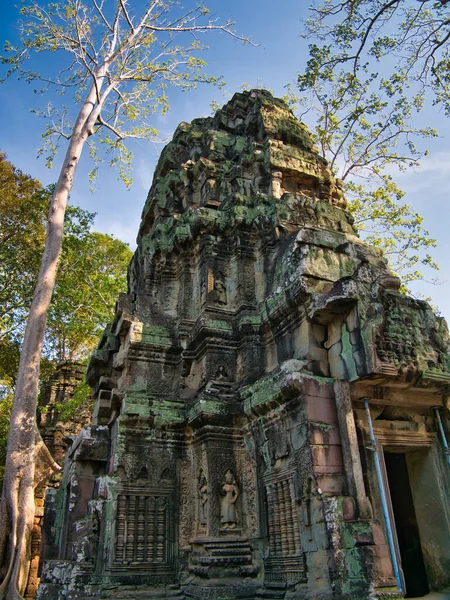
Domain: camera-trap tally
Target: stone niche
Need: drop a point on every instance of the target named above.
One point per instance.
(227, 455)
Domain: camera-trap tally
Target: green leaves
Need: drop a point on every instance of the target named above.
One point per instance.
(68, 410)
(115, 61)
(92, 272)
(392, 226)
(369, 74)
(23, 213)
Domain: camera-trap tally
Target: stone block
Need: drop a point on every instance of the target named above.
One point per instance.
(338, 369)
(331, 483)
(321, 410)
(319, 354)
(352, 319)
(380, 559)
(354, 566)
(379, 537)
(318, 571)
(319, 367)
(319, 333)
(303, 340)
(334, 333)
(334, 353)
(327, 469)
(316, 387)
(323, 433)
(326, 455)
(348, 508)
(355, 340)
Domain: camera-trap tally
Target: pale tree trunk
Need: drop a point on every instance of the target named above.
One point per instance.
(27, 459)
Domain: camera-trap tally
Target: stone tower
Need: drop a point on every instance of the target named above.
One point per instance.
(229, 454)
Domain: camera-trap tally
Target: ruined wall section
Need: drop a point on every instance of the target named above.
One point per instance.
(221, 457)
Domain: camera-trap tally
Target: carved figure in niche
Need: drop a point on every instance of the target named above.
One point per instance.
(220, 289)
(211, 281)
(165, 477)
(203, 498)
(277, 183)
(230, 493)
(143, 473)
(221, 373)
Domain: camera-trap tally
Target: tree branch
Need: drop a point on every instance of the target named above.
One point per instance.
(126, 15)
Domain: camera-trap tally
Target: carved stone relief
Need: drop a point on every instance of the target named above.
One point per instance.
(229, 514)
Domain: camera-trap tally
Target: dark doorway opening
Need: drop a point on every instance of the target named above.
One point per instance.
(406, 525)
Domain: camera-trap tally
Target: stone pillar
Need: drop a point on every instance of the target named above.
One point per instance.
(350, 450)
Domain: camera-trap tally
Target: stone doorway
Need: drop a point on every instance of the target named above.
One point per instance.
(407, 529)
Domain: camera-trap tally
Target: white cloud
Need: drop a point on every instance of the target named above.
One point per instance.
(436, 162)
(144, 174)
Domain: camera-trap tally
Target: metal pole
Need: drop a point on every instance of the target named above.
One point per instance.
(384, 504)
(443, 436)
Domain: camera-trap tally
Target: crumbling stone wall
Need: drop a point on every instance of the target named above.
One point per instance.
(55, 432)
(224, 459)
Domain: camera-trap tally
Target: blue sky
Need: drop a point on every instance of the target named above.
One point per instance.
(277, 27)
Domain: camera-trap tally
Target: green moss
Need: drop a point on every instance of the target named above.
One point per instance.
(321, 426)
(155, 335)
(219, 325)
(166, 412)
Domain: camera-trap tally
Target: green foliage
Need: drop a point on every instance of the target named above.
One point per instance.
(392, 226)
(92, 273)
(69, 409)
(9, 364)
(23, 213)
(411, 38)
(371, 68)
(122, 57)
(5, 415)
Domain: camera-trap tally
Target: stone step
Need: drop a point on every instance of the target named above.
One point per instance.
(231, 551)
(223, 560)
(270, 594)
(227, 544)
(169, 592)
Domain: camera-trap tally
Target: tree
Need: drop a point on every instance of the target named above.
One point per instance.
(23, 209)
(92, 271)
(372, 67)
(5, 415)
(119, 61)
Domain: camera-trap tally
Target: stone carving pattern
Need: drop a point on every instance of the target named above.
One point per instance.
(249, 488)
(285, 561)
(142, 529)
(185, 516)
(396, 342)
(230, 493)
(203, 500)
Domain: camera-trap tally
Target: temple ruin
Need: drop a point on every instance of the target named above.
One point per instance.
(270, 412)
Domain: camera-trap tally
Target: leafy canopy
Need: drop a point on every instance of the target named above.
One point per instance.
(23, 202)
(121, 55)
(373, 65)
(92, 273)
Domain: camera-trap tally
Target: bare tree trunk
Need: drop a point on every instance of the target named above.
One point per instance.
(17, 503)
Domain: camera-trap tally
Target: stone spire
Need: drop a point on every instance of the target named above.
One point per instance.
(252, 163)
(223, 459)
